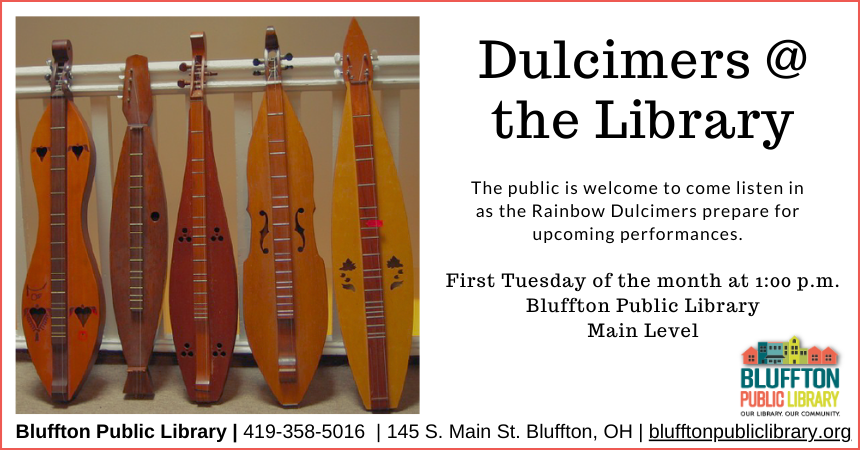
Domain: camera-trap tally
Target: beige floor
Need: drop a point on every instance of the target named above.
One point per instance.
(332, 391)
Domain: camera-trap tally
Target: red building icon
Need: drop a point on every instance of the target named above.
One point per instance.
(815, 355)
(750, 356)
(828, 356)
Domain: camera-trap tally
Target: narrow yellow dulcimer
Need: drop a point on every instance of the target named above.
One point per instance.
(285, 294)
(372, 255)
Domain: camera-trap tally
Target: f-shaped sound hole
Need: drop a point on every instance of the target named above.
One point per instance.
(263, 232)
(300, 230)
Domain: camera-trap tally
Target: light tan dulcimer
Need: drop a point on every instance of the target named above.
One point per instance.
(63, 305)
(204, 304)
(285, 296)
(372, 255)
(138, 235)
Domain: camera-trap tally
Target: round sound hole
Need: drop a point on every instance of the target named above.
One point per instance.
(155, 216)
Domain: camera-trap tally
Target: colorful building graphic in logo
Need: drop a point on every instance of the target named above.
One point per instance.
(788, 353)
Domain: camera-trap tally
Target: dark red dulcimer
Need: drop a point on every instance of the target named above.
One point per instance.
(203, 286)
(63, 291)
(138, 236)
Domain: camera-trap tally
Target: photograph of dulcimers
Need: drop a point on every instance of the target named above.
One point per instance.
(284, 291)
(63, 299)
(138, 236)
(203, 285)
(372, 254)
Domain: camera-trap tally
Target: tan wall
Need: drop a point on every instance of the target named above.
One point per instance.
(111, 39)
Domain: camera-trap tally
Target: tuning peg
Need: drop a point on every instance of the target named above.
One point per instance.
(287, 67)
(47, 77)
(374, 55)
(182, 83)
(257, 62)
(183, 67)
(288, 57)
(338, 59)
(257, 73)
(211, 74)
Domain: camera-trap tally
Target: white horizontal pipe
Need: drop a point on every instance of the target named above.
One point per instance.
(165, 345)
(235, 75)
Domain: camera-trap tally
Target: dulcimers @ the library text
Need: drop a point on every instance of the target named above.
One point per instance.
(138, 232)
(63, 299)
(372, 254)
(203, 286)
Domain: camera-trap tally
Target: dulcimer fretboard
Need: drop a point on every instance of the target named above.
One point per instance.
(200, 264)
(281, 222)
(368, 213)
(59, 254)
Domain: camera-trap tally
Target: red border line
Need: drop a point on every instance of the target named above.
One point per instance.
(432, 1)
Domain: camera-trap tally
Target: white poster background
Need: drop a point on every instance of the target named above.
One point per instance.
(484, 360)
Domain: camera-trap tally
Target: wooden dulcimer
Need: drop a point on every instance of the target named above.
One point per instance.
(203, 286)
(285, 296)
(138, 236)
(372, 254)
(63, 305)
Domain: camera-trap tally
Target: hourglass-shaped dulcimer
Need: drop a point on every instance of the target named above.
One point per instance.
(203, 286)
(63, 305)
(372, 254)
(138, 236)
(285, 296)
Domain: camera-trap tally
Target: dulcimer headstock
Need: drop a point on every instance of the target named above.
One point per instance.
(199, 68)
(136, 91)
(61, 68)
(357, 64)
(272, 58)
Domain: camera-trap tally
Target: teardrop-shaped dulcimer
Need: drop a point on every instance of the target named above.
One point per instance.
(203, 286)
(285, 296)
(372, 254)
(63, 307)
(138, 236)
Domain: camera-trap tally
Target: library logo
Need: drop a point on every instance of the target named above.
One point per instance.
(788, 353)
(789, 386)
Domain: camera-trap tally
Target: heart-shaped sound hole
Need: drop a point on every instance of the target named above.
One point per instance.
(77, 150)
(41, 151)
(83, 314)
(37, 314)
